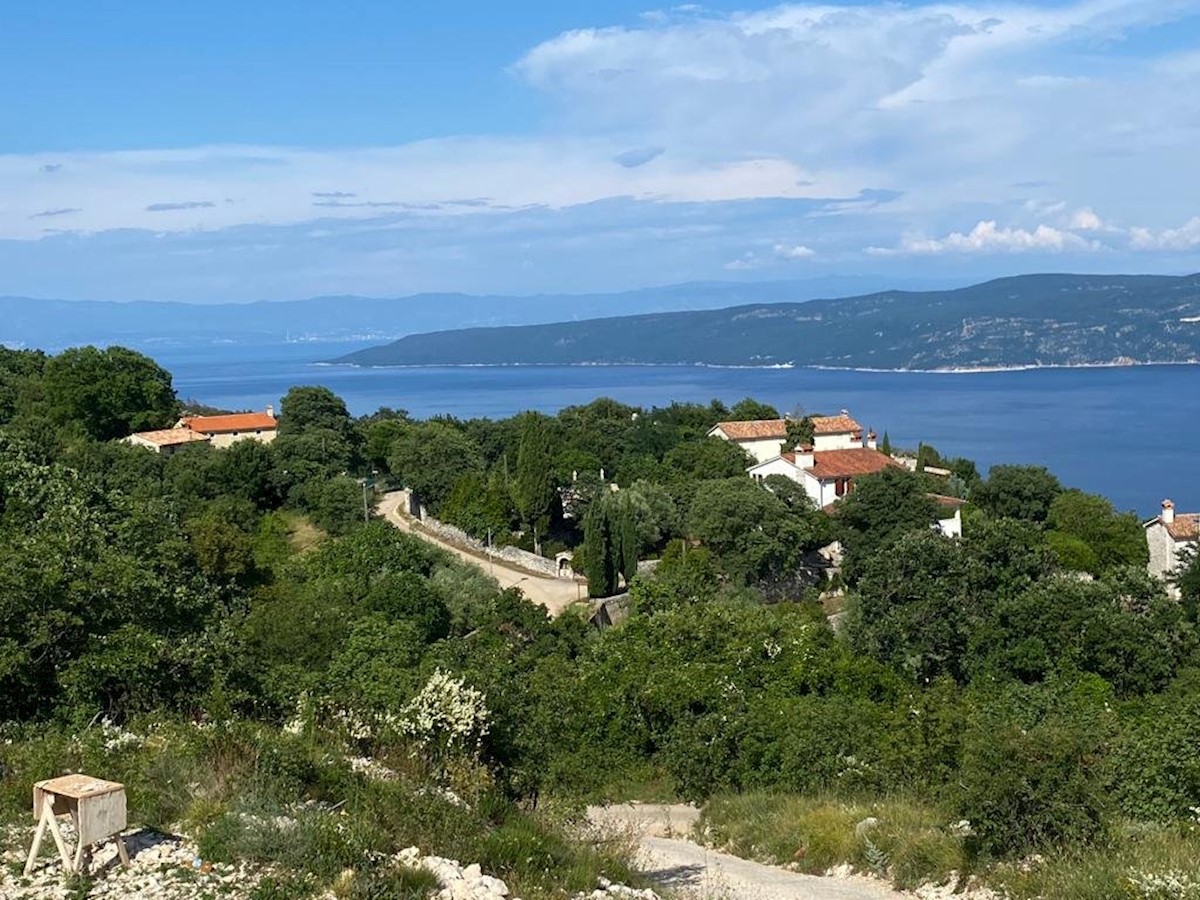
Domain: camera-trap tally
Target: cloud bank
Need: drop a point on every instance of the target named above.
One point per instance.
(799, 136)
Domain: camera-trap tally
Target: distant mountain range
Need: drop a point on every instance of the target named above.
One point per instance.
(1029, 320)
(54, 324)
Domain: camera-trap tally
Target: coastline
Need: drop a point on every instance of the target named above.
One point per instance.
(945, 370)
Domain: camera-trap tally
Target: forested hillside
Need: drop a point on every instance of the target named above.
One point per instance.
(307, 693)
(1031, 320)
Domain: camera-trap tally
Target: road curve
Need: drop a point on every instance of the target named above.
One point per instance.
(555, 594)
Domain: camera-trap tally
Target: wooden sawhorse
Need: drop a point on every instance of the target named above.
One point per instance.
(97, 808)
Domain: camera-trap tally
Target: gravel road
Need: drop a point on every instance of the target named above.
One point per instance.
(690, 870)
(555, 594)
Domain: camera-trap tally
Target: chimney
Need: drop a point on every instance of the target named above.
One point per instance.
(872, 441)
(270, 410)
(1168, 512)
(804, 456)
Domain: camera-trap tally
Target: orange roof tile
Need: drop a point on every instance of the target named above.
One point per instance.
(829, 464)
(236, 422)
(1186, 527)
(169, 436)
(754, 430)
(842, 424)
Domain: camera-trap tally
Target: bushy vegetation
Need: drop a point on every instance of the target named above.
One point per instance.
(1026, 689)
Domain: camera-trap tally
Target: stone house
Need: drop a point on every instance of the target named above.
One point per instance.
(1168, 535)
(224, 431)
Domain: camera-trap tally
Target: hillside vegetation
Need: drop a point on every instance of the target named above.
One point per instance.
(1033, 320)
(305, 702)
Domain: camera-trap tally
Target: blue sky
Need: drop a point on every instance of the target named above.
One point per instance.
(269, 150)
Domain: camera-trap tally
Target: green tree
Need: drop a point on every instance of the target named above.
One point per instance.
(306, 408)
(534, 488)
(885, 446)
(1115, 539)
(800, 432)
(1017, 492)
(880, 509)
(430, 458)
(479, 506)
(707, 458)
(108, 393)
(749, 409)
(1187, 578)
(610, 544)
(753, 533)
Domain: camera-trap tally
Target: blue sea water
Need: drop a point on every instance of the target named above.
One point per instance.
(1132, 434)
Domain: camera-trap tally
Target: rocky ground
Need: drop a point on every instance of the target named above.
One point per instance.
(168, 867)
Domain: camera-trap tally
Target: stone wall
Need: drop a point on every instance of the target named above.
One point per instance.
(513, 555)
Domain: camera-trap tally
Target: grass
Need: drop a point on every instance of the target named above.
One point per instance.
(912, 842)
(302, 534)
(1133, 862)
(902, 839)
(291, 803)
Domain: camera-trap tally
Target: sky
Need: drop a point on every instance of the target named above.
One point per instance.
(233, 151)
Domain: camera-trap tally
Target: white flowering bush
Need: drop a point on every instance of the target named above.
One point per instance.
(447, 718)
(1165, 885)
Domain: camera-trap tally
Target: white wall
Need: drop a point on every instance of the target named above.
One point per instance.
(776, 466)
(835, 442)
(952, 526)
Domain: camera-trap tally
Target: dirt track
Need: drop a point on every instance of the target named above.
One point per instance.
(671, 859)
(555, 594)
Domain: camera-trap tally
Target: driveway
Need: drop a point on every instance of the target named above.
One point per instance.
(555, 594)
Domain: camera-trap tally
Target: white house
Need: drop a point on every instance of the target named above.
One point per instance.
(839, 432)
(827, 475)
(1168, 536)
(763, 439)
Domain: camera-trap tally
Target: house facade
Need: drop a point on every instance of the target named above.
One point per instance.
(1168, 536)
(224, 431)
(763, 439)
(828, 467)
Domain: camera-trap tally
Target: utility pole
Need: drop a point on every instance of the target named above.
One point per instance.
(366, 510)
(491, 561)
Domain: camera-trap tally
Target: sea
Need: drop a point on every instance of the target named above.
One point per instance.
(1130, 433)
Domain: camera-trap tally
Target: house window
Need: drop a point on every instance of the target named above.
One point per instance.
(840, 486)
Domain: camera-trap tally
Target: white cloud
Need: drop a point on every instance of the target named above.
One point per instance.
(1085, 219)
(142, 189)
(923, 117)
(1185, 237)
(986, 237)
(794, 251)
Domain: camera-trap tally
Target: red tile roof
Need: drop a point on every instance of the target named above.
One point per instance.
(1186, 527)
(830, 464)
(234, 422)
(168, 437)
(754, 430)
(842, 424)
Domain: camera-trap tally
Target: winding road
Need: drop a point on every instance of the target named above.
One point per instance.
(555, 594)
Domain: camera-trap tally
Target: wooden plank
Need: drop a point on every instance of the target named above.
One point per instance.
(101, 816)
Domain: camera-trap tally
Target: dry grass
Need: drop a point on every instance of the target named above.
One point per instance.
(303, 535)
(908, 841)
